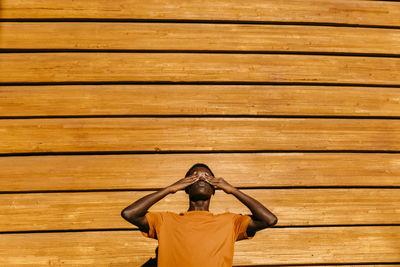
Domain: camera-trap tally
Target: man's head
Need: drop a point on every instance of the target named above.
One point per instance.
(201, 188)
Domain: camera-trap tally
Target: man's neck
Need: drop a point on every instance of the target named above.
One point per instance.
(199, 205)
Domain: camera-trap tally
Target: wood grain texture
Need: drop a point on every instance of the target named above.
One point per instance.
(154, 171)
(194, 36)
(189, 67)
(65, 100)
(196, 134)
(125, 248)
(324, 11)
(326, 214)
(102, 210)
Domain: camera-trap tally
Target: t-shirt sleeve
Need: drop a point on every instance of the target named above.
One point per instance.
(154, 220)
(240, 226)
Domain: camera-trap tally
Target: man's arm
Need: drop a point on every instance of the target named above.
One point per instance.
(262, 217)
(135, 213)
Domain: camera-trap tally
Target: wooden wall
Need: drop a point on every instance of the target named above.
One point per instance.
(297, 103)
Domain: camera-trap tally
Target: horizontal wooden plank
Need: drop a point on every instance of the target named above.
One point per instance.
(324, 11)
(291, 206)
(195, 134)
(194, 36)
(190, 67)
(64, 100)
(290, 246)
(154, 171)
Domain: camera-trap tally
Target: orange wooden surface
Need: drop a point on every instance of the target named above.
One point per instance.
(359, 12)
(194, 67)
(154, 171)
(197, 134)
(156, 99)
(198, 36)
(339, 203)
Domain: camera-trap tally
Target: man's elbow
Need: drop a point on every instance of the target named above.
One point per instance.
(127, 215)
(273, 222)
(131, 216)
(124, 215)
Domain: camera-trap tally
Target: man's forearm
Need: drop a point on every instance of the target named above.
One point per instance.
(259, 211)
(140, 206)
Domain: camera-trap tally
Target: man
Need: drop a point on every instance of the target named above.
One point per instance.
(197, 237)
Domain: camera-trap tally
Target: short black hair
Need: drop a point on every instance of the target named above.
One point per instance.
(195, 166)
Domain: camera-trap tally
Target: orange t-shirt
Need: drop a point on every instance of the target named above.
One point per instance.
(196, 238)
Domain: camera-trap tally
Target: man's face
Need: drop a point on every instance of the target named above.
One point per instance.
(201, 188)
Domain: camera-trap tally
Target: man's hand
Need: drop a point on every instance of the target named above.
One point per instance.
(183, 183)
(220, 183)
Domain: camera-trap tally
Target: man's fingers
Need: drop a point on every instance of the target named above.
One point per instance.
(211, 181)
(209, 178)
(193, 180)
(192, 177)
